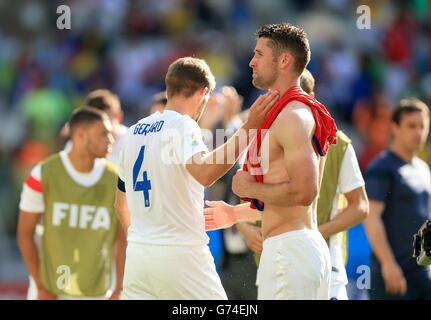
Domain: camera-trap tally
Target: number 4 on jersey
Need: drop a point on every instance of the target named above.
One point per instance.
(144, 185)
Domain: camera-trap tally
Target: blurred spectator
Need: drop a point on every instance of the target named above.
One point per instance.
(159, 102)
(399, 188)
(107, 101)
(372, 121)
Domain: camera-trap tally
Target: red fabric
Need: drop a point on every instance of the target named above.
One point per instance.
(34, 184)
(324, 133)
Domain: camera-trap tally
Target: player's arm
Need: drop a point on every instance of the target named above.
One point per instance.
(354, 213)
(252, 235)
(377, 234)
(122, 208)
(378, 181)
(395, 282)
(27, 222)
(220, 215)
(208, 167)
(351, 184)
(31, 208)
(119, 258)
(25, 236)
(292, 131)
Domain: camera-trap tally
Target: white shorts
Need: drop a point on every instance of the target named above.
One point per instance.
(295, 265)
(170, 273)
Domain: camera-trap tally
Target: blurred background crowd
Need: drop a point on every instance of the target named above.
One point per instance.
(127, 45)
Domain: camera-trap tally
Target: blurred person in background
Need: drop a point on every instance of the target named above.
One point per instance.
(72, 193)
(399, 188)
(342, 203)
(158, 102)
(107, 101)
(372, 120)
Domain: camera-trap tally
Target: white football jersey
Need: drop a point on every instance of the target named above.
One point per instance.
(165, 201)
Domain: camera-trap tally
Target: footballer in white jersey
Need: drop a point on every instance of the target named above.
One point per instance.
(163, 169)
(164, 200)
(166, 237)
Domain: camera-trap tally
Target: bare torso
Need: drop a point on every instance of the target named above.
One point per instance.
(280, 219)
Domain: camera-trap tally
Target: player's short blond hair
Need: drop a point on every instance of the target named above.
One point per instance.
(187, 75)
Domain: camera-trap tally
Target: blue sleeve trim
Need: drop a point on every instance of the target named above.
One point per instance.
(121, 186)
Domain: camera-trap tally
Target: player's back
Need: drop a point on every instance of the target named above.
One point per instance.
(164, 200)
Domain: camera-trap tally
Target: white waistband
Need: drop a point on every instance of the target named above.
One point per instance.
(292, 235)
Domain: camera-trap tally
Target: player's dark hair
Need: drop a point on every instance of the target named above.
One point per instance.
(286, 37)
(407, 106)
(85, 116)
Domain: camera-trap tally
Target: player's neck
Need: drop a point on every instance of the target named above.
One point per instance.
(406, 154)
(81, 161)
(181, 105)
(282, 84)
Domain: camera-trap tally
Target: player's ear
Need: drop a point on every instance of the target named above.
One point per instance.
(80, 133)
(199, 95)
(286, 60)
(120, 117)
(203, 92)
